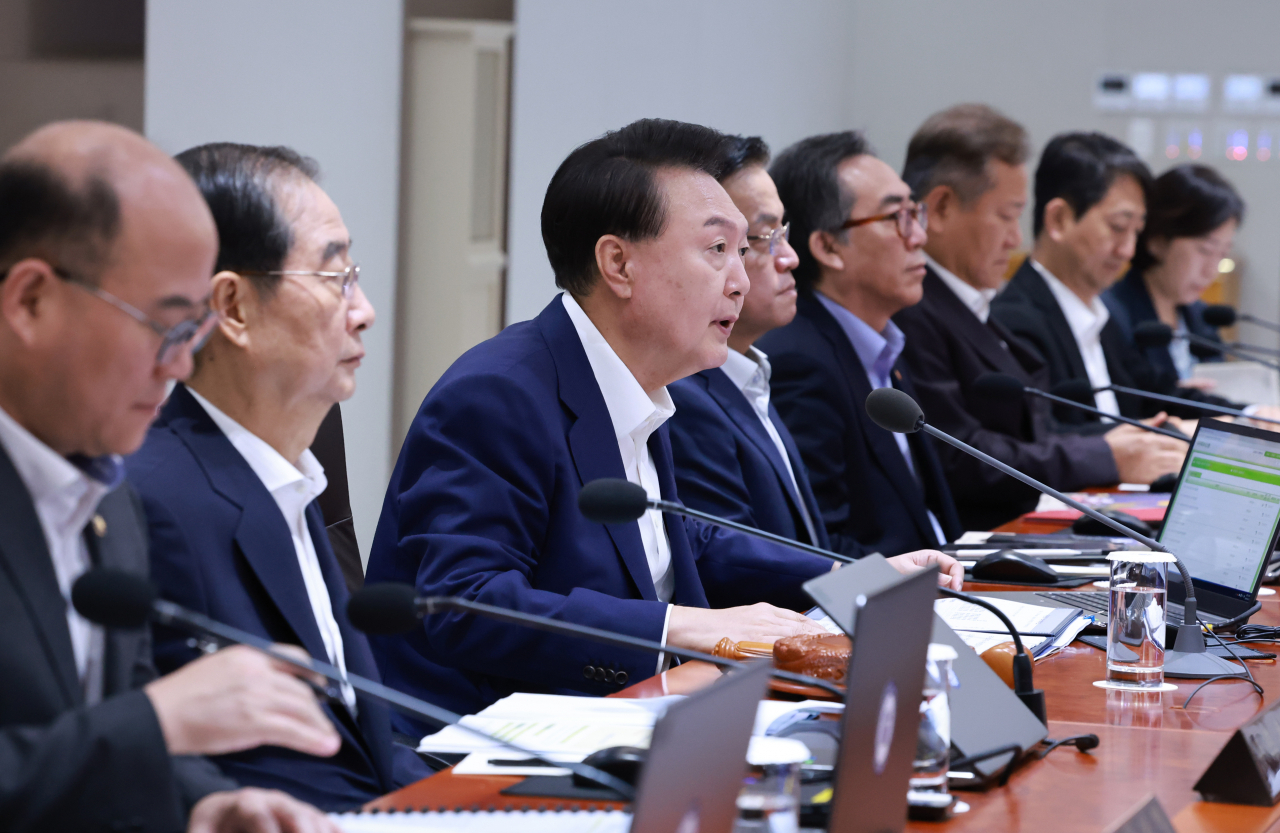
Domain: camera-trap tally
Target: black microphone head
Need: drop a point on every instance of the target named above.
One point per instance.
(1218, 315)
(114, 598)
(894, 411)
(1086, 742)
(1205, 351)
(998, 386)
(384, 609)
(1152, 334)
(611, 500)
(1077, 390)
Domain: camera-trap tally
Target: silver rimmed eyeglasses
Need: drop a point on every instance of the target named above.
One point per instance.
(173, 339)
(348, 277)
(775, 237)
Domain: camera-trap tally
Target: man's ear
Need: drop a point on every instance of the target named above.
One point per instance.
(234, 301)
(25, 295)
(1059, 218)
(613, 263)
(822, 245)
(943, 203)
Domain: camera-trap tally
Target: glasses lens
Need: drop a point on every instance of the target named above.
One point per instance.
(922, 216)
(350, 280)
(194, 332)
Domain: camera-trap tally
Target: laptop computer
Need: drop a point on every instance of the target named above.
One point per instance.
(878, 732)
(985, 713)
(698, 757)
(1223, 521)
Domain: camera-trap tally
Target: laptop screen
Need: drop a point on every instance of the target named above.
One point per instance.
(1222, 518)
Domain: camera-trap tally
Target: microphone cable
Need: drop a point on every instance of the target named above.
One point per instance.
(1249, 674)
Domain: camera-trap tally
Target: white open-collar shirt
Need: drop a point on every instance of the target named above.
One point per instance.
(293, 488)
(65, 498)
(635, 415)
(1086, 322)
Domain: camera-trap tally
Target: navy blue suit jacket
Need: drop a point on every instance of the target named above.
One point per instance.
(1130, 305)
(869, 498)
(483, 504)
(727, 464)
(220, 546)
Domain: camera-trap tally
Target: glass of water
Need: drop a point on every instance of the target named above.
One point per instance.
(1136, 618)
(933, 746)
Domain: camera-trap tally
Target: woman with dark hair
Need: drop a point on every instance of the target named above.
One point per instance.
(1192, 219)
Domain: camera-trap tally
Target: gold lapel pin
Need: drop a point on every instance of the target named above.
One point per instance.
(99, 526)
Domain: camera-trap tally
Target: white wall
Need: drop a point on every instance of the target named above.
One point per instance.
(583, 67)
(322, 76)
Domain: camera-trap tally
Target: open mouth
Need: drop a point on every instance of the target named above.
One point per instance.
(725, 325)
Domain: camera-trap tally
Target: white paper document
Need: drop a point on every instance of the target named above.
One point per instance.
(1028, 619)
(532, 821)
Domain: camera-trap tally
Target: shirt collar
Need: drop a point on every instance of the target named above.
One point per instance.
(877, 351)
(634, 413)
(742, 368)
(275, 472)
(47, 473)
(1086, 320)
(977, 300)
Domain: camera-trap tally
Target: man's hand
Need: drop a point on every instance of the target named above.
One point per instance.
(950, 571)
(239, 699)
(1142, 456)
(699, 629)
(251, 810)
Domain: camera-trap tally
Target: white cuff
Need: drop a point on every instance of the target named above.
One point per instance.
(662, 658)
(1250, 410)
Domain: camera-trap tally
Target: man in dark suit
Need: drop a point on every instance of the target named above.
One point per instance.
(734, 455)
(105, 256)
(968, 165)
(1090, 205)
(858, 239)
(483, 499)
(225, 475)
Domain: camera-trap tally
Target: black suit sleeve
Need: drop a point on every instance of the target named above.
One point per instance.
(1067, 462)
(92, 763)
(807, 399)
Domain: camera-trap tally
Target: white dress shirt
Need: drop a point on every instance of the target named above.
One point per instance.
(294, 488)
(1086, 322)
(635, 416)
(750, 372)
(878, 352)
(977, 300)
(65, 498)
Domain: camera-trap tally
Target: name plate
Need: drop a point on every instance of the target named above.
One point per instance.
(1247, 770)
(1149, 817)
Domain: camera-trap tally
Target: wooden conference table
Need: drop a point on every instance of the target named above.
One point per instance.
(1149, 745)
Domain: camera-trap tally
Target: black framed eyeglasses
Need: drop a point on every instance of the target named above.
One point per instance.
(903, 216)
(191, 331)
(348, 277)
(775, 237)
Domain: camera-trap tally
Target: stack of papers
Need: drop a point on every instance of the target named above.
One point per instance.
(565, 728)
(1044, 630)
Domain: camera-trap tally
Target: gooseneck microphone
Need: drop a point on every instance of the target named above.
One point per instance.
(1004, 386)
(1076, 389)
(611, 500)
(1221, 315)
(391, 608)
(119, 599)
(1158, 334)
(895, 411)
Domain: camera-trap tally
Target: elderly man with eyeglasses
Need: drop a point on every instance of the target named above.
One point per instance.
(226, 477)
(859, 239)
(734, 456)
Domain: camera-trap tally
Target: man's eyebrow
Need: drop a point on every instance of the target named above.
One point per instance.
(334, 249)
(181, 302)
(719, 220)
(765, 217)
(892, 199)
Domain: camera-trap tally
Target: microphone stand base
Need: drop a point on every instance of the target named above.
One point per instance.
(1197, 666)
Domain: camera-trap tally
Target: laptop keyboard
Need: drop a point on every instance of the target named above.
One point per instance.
(1095, 601)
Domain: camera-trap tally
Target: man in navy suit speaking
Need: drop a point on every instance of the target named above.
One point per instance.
(483, 499)
(734, 456)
